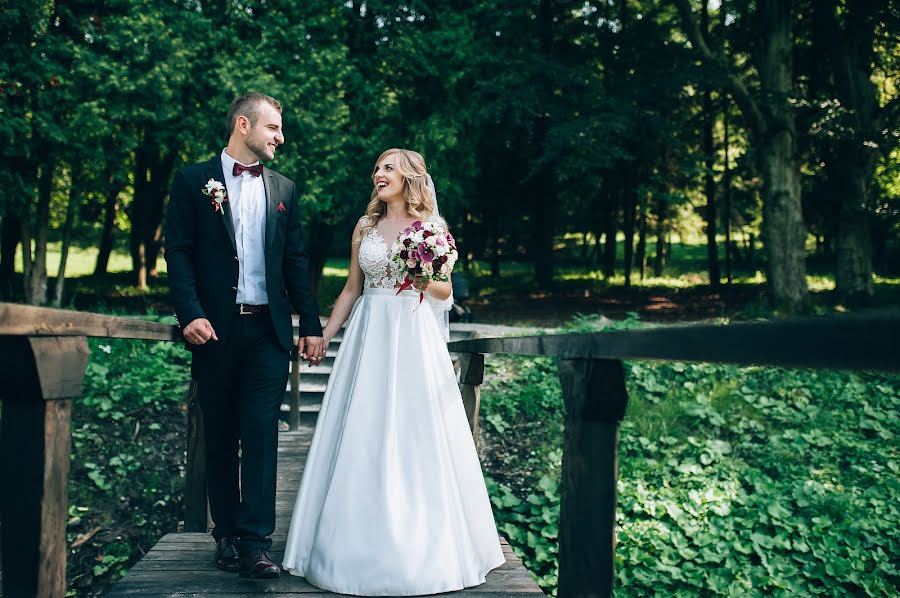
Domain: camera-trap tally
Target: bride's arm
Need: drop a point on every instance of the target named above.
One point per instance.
(352, 290)
(440, 290)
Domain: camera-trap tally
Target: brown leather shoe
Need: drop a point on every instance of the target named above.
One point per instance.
(227, 554)
(257, 564)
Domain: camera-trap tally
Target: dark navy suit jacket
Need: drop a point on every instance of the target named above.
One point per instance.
(203, 264)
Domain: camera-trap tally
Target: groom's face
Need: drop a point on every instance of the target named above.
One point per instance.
(266, 134)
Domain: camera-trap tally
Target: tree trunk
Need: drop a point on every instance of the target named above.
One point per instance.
(854, 239)
(145, 156)
(709, 117)
(628, 205)
(160, 177)
(11, 235)
(727, 184)
(642, 237)
(772, 122)
(609, 234)
(110, 210)
(494, 236)
(596, 249)
(659, 262)
(751, 251)
(784, 234)
(851, 50)
(68, 228)
(36, 279)
(544, 205)
(712, 248)
(319, 237)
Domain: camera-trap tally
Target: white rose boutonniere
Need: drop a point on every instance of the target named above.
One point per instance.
(216, 193)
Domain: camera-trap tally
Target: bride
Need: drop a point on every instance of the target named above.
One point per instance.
(392, 501)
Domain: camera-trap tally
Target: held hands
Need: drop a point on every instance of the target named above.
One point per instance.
(199, 331)
(312, 349)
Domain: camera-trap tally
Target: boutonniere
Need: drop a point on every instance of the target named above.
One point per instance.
(216, 193)
(280, 207)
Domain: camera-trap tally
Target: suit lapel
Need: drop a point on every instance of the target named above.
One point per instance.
(271, 186)
(214, 171)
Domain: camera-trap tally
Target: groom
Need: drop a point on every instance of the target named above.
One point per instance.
(236, 266)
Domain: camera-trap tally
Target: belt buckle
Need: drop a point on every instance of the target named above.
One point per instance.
(241, 310)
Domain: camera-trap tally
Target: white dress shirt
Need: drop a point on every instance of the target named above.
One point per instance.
(247, 197)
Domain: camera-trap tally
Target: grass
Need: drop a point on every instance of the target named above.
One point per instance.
(82, 260)
(514, 297)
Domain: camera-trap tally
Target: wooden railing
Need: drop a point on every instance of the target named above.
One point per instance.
(44, 354)
(592, 376)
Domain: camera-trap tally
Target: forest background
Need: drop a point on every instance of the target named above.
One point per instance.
(679, 160)
(586, 134)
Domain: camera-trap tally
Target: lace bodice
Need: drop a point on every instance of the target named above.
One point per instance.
(375, 262)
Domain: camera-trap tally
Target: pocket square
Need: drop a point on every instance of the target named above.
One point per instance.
(280, 207)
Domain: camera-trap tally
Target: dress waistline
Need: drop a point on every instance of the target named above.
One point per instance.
(379, 291)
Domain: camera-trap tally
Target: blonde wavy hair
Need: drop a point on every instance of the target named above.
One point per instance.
(419, 199)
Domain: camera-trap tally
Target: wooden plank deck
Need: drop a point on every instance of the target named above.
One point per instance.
(182, 564)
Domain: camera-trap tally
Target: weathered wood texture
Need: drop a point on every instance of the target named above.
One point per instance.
(294, 413)
(595, 399)
(195, 504)
(40, 376)
(28, 320)
(471, 375)
(182, 564)
(865, 342)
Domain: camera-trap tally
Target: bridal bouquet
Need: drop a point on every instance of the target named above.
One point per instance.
(423, 249)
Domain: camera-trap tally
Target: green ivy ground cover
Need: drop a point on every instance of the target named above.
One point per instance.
(733, 481)
(740, 482)
(126, 483)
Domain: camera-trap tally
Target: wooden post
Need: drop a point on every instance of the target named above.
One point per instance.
(595, 398)
(294, 414)
(40, 377)
(195, 504)
(471, 375)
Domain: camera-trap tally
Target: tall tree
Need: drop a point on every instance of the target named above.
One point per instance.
(848, 39)
(709, 152)
(771, 119)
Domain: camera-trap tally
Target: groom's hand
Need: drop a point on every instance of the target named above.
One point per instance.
(199, 331)
(312, 349)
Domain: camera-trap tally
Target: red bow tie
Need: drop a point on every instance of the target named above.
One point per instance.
(255, 170)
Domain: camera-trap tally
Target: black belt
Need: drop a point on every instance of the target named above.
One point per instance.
(247, 309)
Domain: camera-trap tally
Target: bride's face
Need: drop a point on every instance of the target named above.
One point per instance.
(387, 179)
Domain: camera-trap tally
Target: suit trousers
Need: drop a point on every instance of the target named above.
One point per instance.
(241, 386)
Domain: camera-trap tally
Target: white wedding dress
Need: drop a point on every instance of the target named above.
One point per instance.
(392, 501)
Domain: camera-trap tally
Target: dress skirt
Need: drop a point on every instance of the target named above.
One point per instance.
(392, 500)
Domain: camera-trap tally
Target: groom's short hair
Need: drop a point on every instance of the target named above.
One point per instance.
(248, 105)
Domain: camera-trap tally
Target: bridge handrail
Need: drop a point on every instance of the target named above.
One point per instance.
(846, 342)
(29, 320)
(45, 354)
(592, 377)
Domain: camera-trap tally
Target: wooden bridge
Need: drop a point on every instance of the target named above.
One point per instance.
(181, 563)
(45, 353)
